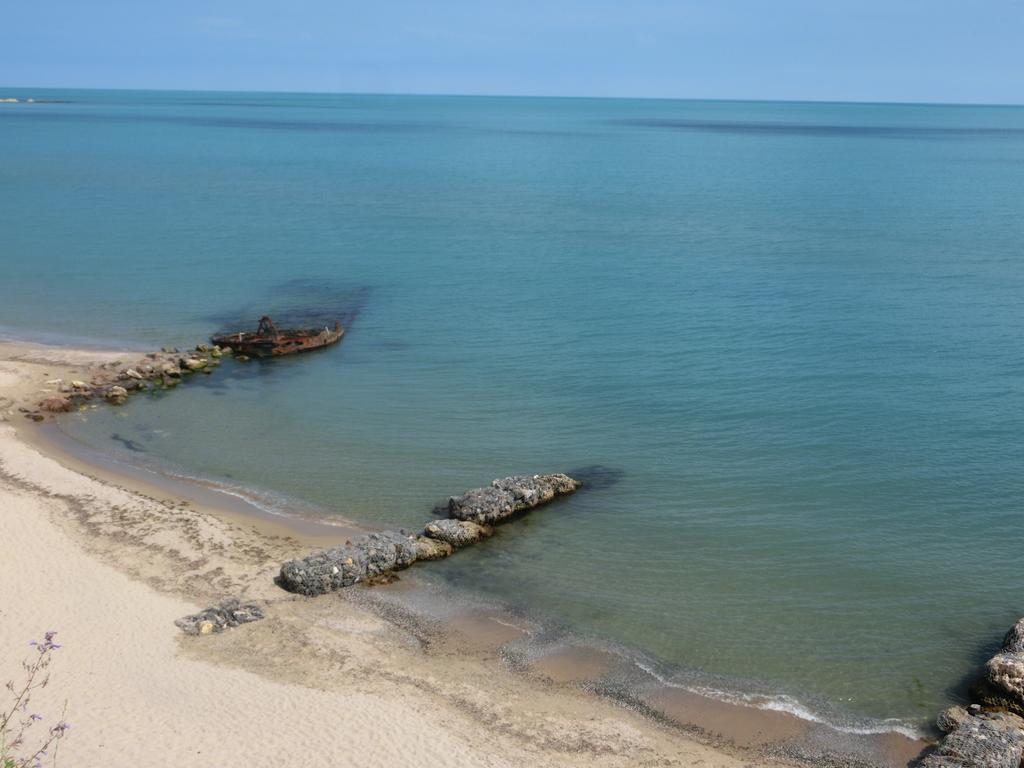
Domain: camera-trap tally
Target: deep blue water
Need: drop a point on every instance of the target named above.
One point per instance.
(788, 335)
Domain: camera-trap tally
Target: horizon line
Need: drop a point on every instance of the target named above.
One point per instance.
(439, 94)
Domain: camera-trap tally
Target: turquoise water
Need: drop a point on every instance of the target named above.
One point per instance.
(783, 340)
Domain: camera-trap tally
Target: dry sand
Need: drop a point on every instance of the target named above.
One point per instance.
(111, 564)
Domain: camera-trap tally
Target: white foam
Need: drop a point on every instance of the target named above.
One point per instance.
(788, 705)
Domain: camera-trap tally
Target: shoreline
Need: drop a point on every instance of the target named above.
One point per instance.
(238, 546)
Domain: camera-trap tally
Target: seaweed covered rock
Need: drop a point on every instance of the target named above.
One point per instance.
(229, 613)
(987, 740)
(369, 555)
(508, 496)
(457, 533)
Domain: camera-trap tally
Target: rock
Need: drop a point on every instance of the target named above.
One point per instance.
(56, 405)
(169, 350)
(193, 364)
(369, 555)
(990, 740)
(432, 549)
(34, 416)
(950, 719)
(229, 613)
(457, 533)
(116, 395)
(508, 496)
(1005, 673)
(216, 352)
(242, 358)
(170, 370)
(1014, 640)
(131, 373)
(79, 384)
(202, 347)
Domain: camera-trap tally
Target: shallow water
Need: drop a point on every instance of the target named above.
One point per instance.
(783, 340)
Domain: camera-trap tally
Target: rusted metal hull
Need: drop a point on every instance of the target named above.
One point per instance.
(285, 342)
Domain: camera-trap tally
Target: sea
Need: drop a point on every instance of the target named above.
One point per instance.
(780, 342)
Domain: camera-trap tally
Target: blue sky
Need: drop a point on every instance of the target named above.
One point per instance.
(863, 50)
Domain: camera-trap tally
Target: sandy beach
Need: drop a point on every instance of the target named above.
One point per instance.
(110, 564)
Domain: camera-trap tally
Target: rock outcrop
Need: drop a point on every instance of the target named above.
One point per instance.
(374, 554)
(1002, 687)
(229, 613)
(986, 740)
(990, 732)
(114, 382)
(506, 497)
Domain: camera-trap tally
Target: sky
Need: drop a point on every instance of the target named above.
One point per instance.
(966, 51)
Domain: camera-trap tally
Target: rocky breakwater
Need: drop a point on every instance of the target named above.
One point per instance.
(471, 516)
(990, 732)
(114, 383)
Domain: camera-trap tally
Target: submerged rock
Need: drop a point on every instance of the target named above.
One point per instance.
(988, 740)
(369, 555)
(229, 613)
(508, 496)
(56, 404)
(457, 533)
(116, 395)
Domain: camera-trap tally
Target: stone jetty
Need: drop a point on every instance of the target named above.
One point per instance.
(990, 732)
(509, 496)
(114, 383)
(469, 521)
